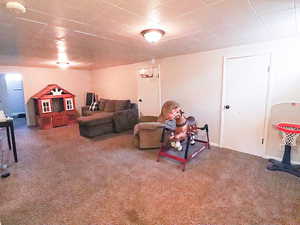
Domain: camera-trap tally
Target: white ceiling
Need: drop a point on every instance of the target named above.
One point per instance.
(101, 33)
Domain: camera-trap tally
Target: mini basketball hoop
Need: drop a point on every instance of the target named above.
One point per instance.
(290, 133)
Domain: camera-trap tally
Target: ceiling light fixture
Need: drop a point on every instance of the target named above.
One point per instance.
(153, 35)
(63, 65)
(16, 6)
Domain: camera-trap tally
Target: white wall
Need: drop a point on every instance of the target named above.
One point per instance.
(195, 80)
(77, 82)
(118, 82)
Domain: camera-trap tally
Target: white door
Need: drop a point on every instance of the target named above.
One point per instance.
(149, 91)
(244, 103)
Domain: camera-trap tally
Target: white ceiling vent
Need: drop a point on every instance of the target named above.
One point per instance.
(15, 6)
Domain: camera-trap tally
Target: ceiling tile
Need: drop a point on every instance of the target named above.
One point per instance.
(268, 6)
(205, 20)
(101, 33)
(139, 7)
(173, 10)
(6, 17)
(71, 10)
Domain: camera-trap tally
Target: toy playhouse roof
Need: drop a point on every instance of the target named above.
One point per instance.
(48, 91)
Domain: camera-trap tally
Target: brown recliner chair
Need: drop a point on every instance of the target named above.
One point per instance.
(148, 133)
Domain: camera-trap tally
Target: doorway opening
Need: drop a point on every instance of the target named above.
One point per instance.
(12, 97)
(149, 93)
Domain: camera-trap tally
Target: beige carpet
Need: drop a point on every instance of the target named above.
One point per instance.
(65, 179)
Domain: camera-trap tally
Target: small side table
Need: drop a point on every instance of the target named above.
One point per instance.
(10, 133)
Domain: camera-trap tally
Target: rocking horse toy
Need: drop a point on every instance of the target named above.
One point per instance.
(182, 130)
(184, 126)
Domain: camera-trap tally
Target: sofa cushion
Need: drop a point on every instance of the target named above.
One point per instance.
(96, 119)
(121, 105)
(93, 131)
(125, 119)
(101, 103)
(109, 106)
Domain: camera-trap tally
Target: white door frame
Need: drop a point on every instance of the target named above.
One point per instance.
(159, 85)
(267, 100)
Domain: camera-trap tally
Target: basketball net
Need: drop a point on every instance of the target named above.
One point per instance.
(290, 138)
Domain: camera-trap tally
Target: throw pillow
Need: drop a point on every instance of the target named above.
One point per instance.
(94, 107)
(109, 106)
(121, 105)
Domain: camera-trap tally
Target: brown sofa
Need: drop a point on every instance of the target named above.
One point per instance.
(112, 116)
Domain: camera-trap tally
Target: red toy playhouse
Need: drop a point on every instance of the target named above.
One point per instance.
(54, 107)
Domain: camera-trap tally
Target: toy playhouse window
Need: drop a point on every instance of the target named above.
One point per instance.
(69, 104)
(46, 107)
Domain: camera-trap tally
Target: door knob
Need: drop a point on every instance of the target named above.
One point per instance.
(227, 106)
(140, 100)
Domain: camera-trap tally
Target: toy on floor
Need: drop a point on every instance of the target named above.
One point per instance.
(184, 126)
(172, 111)
(190, 151)
(290, 132)
(182, 133)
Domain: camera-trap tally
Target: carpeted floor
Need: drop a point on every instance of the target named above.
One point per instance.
(65, 179)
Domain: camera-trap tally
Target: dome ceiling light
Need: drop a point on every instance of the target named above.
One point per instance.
(15, 6)
(153, 35)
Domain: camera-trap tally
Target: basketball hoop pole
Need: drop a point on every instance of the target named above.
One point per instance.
(287, 155)
(291, 132)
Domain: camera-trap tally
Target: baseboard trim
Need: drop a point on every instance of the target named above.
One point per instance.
(262, 156)
(214, 144)
(279, 159)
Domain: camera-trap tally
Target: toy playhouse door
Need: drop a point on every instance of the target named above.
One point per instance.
(245, 88)
(149, 91)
